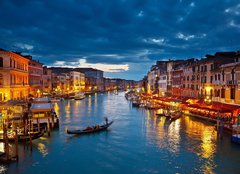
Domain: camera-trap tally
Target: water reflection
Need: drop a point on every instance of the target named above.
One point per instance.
(42, 149)
(137, 142)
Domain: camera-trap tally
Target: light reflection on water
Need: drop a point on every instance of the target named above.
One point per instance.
(137, 142)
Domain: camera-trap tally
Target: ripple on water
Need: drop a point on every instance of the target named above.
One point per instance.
(137, 142)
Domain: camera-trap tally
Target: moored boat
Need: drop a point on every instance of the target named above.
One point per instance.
(89, 130)
(79, 96)
(22, 138)
(175, 116)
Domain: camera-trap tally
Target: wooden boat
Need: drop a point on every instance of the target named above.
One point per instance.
(79, 96)
(92, 130)
(160, 114)
(22, 138)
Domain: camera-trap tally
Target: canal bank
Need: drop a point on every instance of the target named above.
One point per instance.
(137, 142)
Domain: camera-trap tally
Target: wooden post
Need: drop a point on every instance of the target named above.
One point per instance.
(48, 127)
(30, 136)
(16, 143)
(52, 121)
(5, 137)
(38, 124)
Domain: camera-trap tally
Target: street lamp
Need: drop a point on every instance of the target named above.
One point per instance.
(208, 100)
(38, 92)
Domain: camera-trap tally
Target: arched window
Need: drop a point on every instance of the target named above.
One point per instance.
(1, 62)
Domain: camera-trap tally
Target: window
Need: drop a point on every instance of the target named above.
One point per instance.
(215, 76)
(223, 75)
(211, 66)
(187, 78)
(205, 79)
(1, 62)
(232, 74)
(232, 90)
(1, 79)
(205, 68)
(218, 76)
(193, 68)
(223, 93)
(211, 79)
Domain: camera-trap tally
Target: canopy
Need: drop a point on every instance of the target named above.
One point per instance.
(41, 107)
(216, 106)
(42, 100)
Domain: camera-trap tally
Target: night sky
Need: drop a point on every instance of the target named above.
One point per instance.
(119, 36)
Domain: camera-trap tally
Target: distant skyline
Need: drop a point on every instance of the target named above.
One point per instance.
(123, 38)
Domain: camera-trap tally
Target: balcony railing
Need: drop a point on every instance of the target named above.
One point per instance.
(35, 83)
(19, 84)
(232, 82)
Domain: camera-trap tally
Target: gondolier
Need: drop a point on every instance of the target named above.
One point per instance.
(106, 120)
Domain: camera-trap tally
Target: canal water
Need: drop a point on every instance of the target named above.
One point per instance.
(137, 142)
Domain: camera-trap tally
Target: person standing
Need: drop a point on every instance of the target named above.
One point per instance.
(106, 120)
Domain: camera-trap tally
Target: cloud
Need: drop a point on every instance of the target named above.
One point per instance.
(82, 63)
(140, 14)
(235, 10)
(192, 4)
(24, 46)
(232, 23)
(188, 37)
(184, 37)
(134, 33)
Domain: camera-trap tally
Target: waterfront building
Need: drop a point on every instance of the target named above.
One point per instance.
(230, 84)
(47, 80)
(153, 80)
(35, 75)
(75, 81)
(190, 80)
(213, 78)
(177, 75)
(109, 84)
(95, 78)
(14, 78)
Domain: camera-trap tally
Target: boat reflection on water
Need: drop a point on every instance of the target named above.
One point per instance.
(169, 136)
(42, 149)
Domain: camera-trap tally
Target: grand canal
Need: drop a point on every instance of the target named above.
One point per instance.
(137, 142)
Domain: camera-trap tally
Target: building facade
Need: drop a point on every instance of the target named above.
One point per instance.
(14, 79)
(35, 75)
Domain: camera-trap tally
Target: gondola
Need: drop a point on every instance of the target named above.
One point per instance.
(92, 130)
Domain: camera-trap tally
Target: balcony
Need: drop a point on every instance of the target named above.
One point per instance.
(35, 84)
(232, 82)
(19, 84)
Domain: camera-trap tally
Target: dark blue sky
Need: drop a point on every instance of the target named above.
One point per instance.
(121, 36)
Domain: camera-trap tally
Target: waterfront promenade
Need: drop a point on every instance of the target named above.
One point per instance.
(137, 142)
